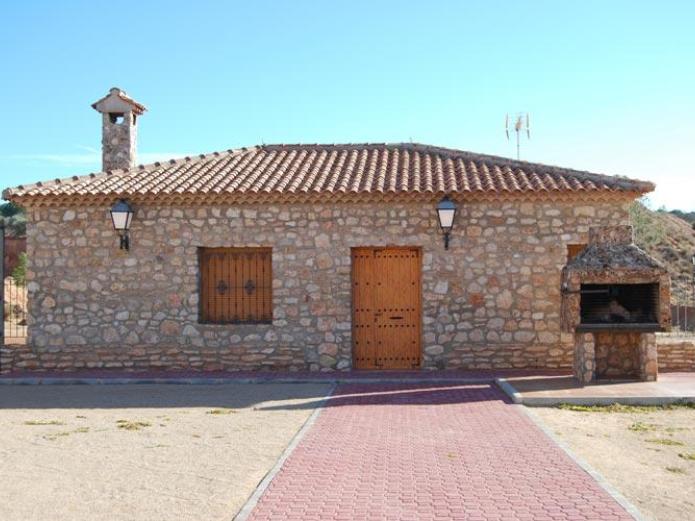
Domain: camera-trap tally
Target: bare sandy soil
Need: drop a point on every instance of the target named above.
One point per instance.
(647, 454)
(142, 452)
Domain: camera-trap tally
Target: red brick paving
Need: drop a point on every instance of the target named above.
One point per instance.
(430, 452)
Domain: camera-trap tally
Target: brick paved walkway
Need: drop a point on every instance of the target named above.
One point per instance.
(430, 452)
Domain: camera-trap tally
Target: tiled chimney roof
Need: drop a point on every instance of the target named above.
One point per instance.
(137, 108)
(329, 172)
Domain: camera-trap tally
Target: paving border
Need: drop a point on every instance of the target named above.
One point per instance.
(246, 510)
(242, 380)
(602, 482)
(550, 401)
(508, 389)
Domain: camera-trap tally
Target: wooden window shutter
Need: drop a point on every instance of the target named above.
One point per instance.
(573, 250)
(236, 285)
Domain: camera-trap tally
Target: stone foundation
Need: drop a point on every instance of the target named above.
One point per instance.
(615, 355)
(25, 358)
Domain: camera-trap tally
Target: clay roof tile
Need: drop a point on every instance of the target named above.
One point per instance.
(357, 169)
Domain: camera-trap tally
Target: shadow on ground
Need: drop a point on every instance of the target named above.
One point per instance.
(229, 395)
(153, 395)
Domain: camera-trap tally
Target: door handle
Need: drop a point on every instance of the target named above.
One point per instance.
(396, 318)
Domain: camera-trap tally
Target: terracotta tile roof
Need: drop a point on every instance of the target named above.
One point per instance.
(338, 172)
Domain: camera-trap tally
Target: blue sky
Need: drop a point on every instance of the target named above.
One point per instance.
(610, 86)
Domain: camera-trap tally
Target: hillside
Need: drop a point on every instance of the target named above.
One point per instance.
(670, 239)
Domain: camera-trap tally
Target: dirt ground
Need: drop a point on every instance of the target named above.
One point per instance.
(142, 452)
(648, 454)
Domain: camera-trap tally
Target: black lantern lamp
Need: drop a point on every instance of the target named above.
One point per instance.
(446, 211)
(121, 217)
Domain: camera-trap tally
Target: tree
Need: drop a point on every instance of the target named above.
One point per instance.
(14, 219)
(10, 209)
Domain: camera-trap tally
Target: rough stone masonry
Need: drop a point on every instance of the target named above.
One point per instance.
(491, 301)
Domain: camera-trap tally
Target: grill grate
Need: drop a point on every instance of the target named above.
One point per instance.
(619, 303)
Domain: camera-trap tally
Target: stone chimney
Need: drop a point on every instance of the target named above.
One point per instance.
(118, 129)
(610, 235)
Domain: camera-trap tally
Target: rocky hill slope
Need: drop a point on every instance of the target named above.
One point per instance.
(670, 239)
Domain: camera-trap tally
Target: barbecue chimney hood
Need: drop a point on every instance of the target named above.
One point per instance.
(614, 298)
(614, 285)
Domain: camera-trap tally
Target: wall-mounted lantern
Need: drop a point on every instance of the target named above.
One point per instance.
(121, 217)
(446, 211)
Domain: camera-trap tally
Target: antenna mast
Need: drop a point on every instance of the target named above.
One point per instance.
(521, 124)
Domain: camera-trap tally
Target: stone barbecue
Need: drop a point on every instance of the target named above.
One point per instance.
(615, 298)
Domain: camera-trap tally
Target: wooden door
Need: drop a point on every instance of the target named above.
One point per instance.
(386, 308)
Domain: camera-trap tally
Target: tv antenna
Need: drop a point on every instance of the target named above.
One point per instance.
(521, 125)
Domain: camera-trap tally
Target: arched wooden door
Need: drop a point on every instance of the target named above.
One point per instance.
(386, 302)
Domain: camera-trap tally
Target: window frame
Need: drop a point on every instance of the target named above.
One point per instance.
(569, 247)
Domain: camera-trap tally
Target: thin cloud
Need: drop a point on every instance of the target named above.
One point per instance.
(90, 158)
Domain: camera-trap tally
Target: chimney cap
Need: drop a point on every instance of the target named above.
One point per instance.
(611, 235)
(118, 101)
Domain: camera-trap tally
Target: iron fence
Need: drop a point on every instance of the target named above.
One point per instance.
(683, 317)
(13, 291)
(14, 311)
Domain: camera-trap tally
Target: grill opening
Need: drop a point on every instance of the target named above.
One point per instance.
(613, 304)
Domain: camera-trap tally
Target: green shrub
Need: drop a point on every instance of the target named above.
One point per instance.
(649, 231)
(19, 274)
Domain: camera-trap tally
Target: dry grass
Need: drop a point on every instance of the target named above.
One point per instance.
(132, 425)
(55, 435)
(221, 411)
(619, 408)
(665, 441)
(43, 422)
(642, 427)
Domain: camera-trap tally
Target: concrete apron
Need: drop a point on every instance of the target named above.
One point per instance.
(551, 401)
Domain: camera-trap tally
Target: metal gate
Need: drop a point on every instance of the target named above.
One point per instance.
(13, 292)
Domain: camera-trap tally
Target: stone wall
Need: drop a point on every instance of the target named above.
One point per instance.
(118, 142)
(676, 353)
(617, 355)
(585, 357)
(491, 301)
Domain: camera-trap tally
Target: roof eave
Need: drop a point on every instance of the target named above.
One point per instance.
(178, 199)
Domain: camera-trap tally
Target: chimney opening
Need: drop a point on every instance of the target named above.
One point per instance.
(612, 304)
(116, 117)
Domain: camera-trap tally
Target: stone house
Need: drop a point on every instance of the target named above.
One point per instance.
(305, 257)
